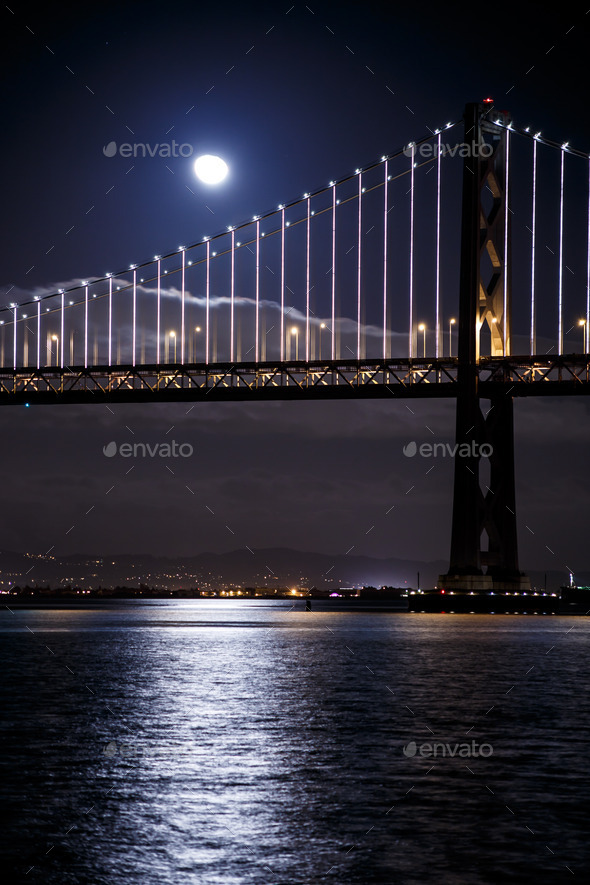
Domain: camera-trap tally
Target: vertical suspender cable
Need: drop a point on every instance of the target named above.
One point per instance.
(411, 287)
(110, 321)
(358, 271)
(257, 332)
(61, 330)
(134, 316)
(333, 349)
(232, 297)
(560, 286)
(307, 281)
(437, 322)
(158, 315)
(207, 300)
(385, 216)
(533, 246)
(282, 284)
(39, 334)
(182, 309)
(86, 327)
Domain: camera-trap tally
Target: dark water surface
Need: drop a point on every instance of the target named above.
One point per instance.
(248, 742)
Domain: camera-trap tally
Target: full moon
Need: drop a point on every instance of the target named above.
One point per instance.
(210, 169)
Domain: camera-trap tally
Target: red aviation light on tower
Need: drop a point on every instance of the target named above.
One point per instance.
(488, 101)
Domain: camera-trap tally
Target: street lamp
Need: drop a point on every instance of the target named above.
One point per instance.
(451, 324)
(197, 330)
(55, 338)
(422, 328)
(173, 336)
(295, 331)
(322, 326)
(582, 323)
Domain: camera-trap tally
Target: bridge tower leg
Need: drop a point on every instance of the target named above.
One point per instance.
(484, 506)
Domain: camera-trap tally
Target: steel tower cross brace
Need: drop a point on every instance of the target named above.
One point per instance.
(484, 308)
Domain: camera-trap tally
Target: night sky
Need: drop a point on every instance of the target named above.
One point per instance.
(291, 98)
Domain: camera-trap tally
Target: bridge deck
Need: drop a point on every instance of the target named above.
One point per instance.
(404, 378)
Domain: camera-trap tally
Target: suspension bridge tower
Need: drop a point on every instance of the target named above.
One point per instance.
(484, 509)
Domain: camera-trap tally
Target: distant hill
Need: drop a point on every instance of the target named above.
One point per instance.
(267, 567)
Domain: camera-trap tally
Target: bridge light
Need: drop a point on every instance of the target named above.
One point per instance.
(564, 145)
(537, 134)
(449, 125)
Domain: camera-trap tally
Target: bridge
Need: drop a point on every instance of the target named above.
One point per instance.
(457, 266)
